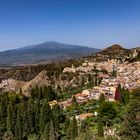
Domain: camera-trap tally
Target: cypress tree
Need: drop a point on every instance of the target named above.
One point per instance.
(50, 93)
(33, 93)
(3, 114)
(67, 124)
(30, 116)
(25, 126)
(52, 132)
(40, 93)
(74, 102)
(100, 127)
(18, 128)
(125, 96)
(36, 115)
(82, 82)
(45, 135)
(57, 116)
(74, 128)
(9, 118)
(101, 99)
(45, 93)
(45, 115)
(37, 91)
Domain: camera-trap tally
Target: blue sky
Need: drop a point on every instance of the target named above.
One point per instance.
(95, 23)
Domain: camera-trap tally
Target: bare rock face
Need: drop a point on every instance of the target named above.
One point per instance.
(41, 79)
(135, 52)
(11, 85)
(15, 85)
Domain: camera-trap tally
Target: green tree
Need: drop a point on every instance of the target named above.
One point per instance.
(101, 99)
(67, 125)
(100, 127)
(74, 128)
(74, 102)
(131, 126)
(108, 112)
(9, 118)
(24, 116)
(57, 116)
(3, 114)
(45, 135)
(37, 114)
(41, 93)
(30, 116)
(18, 127)
(114, 73)
(82, 82)
(45, 115)
(50, 94)
(125, 96)
(52, 132)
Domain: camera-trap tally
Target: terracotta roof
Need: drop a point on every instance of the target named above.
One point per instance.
(84, 116)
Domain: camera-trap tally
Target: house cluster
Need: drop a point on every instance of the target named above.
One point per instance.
(92, 94)
(82, 68)
(128, 75)
(88, 66)
(80, 98)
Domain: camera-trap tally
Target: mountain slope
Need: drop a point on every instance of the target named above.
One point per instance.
(48, 51)
(114, 50)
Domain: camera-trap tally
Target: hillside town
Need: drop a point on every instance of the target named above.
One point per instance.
(127, 75)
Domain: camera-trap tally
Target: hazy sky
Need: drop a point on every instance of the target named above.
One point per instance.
(95, 23)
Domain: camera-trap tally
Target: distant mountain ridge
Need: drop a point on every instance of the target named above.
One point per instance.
(47, 51)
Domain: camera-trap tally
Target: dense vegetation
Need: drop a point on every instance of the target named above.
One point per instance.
(33, 118)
